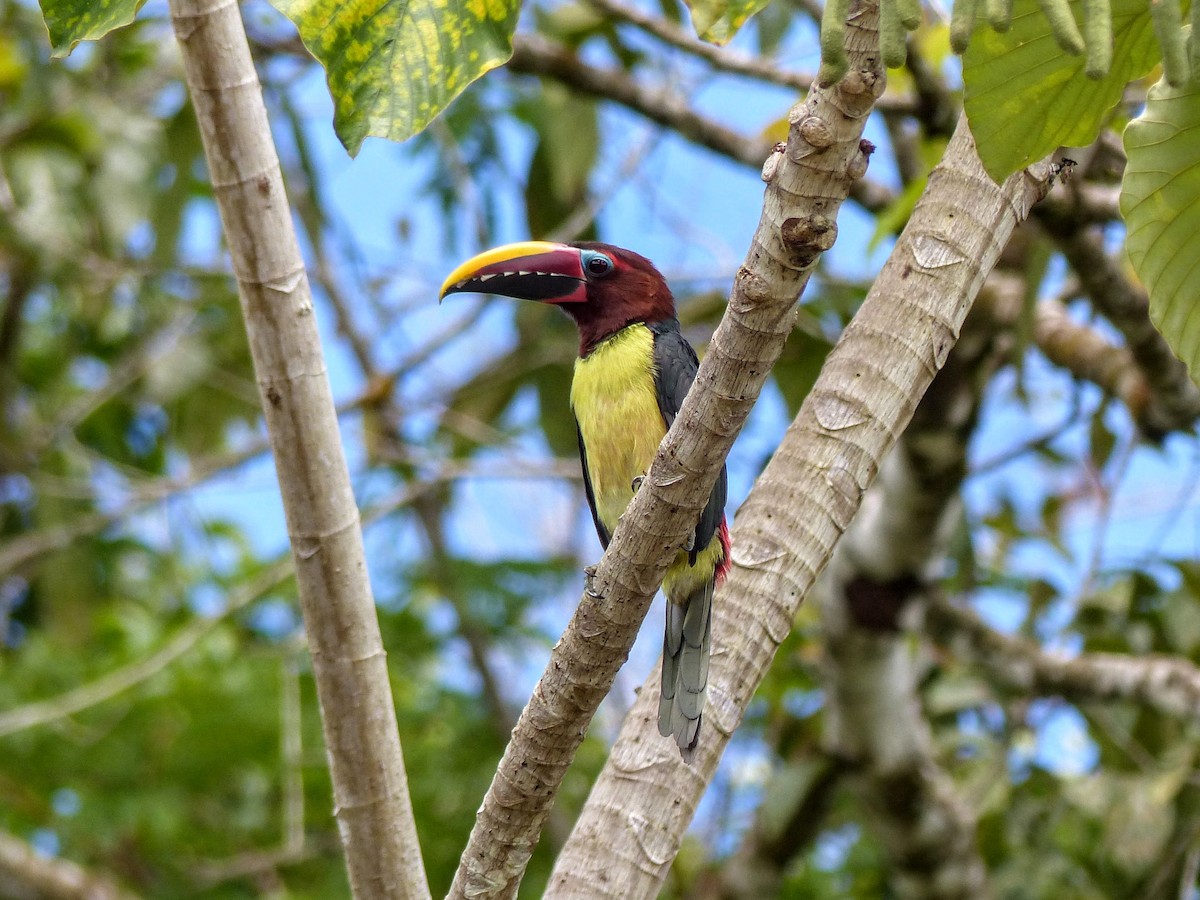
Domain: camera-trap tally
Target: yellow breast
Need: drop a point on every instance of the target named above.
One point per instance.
(616, 407)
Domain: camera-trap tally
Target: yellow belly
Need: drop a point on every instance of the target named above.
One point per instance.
(616, 406)
(613, 397)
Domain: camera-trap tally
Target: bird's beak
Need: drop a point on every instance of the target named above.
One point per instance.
(529, 270)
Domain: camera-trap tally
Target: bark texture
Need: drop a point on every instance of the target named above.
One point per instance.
(634, 820)
(371, 798)
(871, 597)
(808, 179)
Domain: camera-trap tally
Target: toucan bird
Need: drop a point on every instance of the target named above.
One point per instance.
(633, 371)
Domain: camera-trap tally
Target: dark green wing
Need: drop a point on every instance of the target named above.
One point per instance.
(676, 363)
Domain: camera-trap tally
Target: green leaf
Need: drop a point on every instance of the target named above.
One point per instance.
(1025, 97)
(1160, 200)
(72, 21)
(392, 65)
(567, 147)
(717, 21)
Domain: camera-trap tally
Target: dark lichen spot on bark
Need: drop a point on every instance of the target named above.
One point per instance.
(878, 605)
(807, 237)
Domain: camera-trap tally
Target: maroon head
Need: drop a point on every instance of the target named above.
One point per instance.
(602, 287)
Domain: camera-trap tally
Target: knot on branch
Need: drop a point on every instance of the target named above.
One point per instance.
(807, 237)
(750, 290)
(808, 133)
(857, 167)
(862, 84)
(771, 167)
(814, 130)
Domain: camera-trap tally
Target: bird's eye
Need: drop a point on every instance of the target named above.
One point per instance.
(597, 264)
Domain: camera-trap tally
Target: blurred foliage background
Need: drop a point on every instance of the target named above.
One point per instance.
(157, 719)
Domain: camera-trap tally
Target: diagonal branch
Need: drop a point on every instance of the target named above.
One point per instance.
(915, 488)
(1087, 354)
(1168, 684)
(869, 595)
(807, 181)
(533, 54)
(634, 820)
(1175, 400)
(370, 786)
(725, 59)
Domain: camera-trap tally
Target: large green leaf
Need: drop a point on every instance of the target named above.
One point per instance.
(72, 21)
(717, 21)
(1025, 97)
(1160, 199)
(392, 65)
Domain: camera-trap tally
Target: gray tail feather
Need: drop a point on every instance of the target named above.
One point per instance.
(686, 643)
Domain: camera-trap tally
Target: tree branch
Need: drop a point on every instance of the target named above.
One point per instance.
(24, 872)
(807, 181)
(869, 596)
(370, 787)
(633, 822)
(533, 54)
(1175, 400)
(724, 58)
(1167, 684)
(1087, 354)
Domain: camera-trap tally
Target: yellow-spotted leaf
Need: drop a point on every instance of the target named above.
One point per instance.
(392, 65)
(72, 21)
(717, 21)
(1160, 200)
(1025, 96)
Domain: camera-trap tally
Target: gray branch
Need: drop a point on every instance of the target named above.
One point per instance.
(633, 823)
(370, 787)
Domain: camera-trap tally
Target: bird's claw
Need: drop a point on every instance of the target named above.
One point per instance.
(691, 543)
(637, 482)
(589, 574)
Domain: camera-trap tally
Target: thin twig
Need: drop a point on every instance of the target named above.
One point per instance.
(51, 878)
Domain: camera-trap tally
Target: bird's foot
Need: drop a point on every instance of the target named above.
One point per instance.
(637, 482)
(691, 543)
(589, 575)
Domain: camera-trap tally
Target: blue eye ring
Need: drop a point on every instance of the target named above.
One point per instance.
(595, 264)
